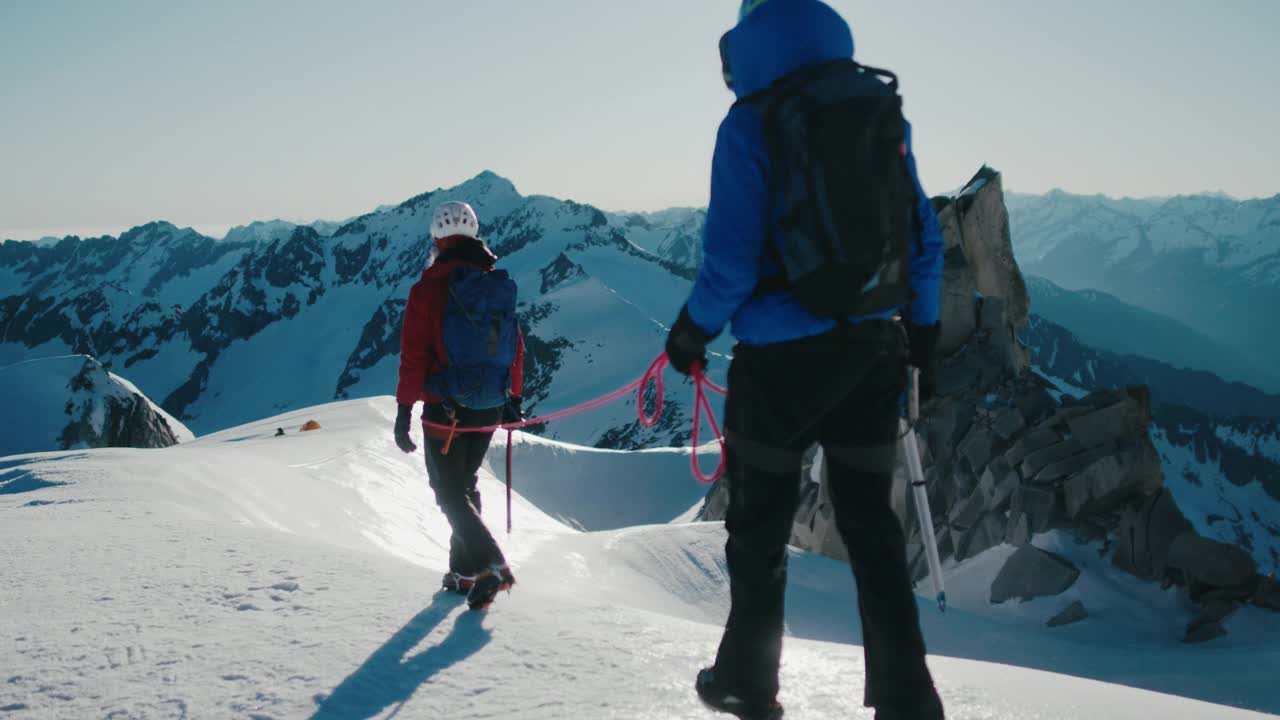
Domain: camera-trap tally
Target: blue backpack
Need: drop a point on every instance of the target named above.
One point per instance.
(481, 336)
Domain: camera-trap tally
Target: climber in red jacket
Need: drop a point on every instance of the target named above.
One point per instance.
(462, 355)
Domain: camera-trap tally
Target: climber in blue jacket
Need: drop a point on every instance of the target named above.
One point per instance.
(798, 378)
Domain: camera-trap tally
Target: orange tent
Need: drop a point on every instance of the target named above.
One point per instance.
(311, 425)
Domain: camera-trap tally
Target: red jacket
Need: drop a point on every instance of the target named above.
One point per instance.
(422, 350)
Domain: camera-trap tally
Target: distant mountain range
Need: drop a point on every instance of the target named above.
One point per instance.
(278, 316)
(191, 318)
(1208, 261)
(1104, 321)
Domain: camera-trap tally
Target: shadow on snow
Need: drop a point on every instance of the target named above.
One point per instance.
(13, 482)
(390, 676)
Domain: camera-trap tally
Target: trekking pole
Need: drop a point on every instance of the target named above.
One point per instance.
(911, 448)
(509, 481)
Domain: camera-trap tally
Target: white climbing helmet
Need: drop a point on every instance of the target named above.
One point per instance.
(454, 218)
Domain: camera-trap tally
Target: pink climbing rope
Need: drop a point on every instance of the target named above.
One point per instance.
(701, 406)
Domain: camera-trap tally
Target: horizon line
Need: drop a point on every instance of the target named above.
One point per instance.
(220, 230)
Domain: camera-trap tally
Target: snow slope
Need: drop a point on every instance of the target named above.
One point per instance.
(593, 489)
(246, 575)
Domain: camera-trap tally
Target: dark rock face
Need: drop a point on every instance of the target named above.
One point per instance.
(1031, 573)
(1201, 418)
(1073, 613)
(126, 421)
(1211, 563)
(985, 534)
(1267, 594)
(380, 338)
(561, 271)
(1146, 532)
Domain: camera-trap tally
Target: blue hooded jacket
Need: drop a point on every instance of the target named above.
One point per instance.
(774, 40)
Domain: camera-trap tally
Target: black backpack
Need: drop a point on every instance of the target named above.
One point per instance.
(848, 203)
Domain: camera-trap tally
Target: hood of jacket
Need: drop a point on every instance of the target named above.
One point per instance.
(782, 36)
(472, 252)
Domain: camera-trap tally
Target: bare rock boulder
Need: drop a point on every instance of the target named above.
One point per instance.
(1031, 573)
(1210, 562)
(1073, 613)
(1146, 532)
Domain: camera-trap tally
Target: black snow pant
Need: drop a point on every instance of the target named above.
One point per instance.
(453, 479)
(843, 390)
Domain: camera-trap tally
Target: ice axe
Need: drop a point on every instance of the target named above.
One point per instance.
(509, 482)
(915, 472)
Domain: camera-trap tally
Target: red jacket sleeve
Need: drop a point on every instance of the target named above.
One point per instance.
(517, 368)
(414, 346)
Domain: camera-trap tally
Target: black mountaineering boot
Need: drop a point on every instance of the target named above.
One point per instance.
(457, 583)
(717, 697)
(487, 586)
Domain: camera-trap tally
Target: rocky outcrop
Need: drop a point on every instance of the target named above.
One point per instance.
(1073, 613)
(104, 414)
(1008, 456)
(72, 402)
(1031, 573)
(979, 258)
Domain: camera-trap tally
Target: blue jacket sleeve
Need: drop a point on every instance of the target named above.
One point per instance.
(926, 255)
(734, 234)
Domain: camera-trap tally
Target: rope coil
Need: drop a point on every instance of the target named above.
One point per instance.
(653, 375)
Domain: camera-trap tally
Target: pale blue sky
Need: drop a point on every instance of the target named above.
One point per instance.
(220, 113)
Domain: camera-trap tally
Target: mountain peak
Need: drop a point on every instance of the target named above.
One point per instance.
(152, 231)
(489, 193)
(486, 184)
(260, 230)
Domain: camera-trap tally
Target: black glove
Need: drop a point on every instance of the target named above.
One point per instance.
(403, 416)
(687, 344)
(922, 346)
(513, 411)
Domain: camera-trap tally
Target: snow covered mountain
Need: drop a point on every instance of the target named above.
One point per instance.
(1059, 353)
(674, 235)
(72, 402)
(246, 575)
(277, 316)
(1105, 322)
(1208, 261)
